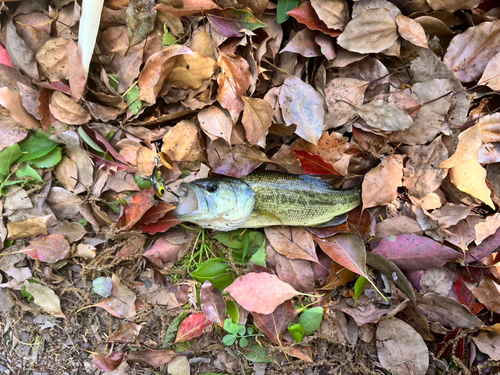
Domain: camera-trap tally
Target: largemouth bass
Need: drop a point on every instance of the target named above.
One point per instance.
(263, 199)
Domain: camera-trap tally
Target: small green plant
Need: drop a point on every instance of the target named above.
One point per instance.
(237, 332)
(200, 252)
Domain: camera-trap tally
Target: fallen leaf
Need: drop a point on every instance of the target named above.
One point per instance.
(491, 76)
(487, 228)
(240, 162)
(52, 60)
(137, 205)
(342, 96)
(438, 281)
(470, 177)
(150, 357)
(140, 20)
(486, 292)
(19, 53)
(45, 298)
(257, 118)
(108, 363)
(335, 14)
(292, 242)
(260, 292)
(381, 183)
(412, 253)
(216, 123)
(192, 327)
(469, 141)
(401, 349)
(179, 366)
(411, 31)
(49, 249)
(306, 15)
(181, 145)
(490, 127)
(29, 228)
(422, 176)
(447, 311)
(469, 52)
(347, 250)
(126, 332)
(365, 311)
(489, 344)
(372, 31)
(303, 43)
(66, 110)
(274, 325)
(234, 80)
(315, 164)
(212, 303)
(384, 116)
(230, 22)
(301, 105)
(121, 303)
(186, 7)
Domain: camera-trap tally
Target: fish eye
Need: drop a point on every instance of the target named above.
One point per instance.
(161, 191)
(212, 187)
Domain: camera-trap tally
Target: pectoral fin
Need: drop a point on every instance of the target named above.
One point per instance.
(261, 218)
(335, 221)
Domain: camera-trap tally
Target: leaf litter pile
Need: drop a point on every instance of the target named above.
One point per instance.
(97, 274)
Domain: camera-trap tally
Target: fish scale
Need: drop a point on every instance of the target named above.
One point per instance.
(292, 199)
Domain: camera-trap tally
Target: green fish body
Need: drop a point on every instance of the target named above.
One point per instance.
(263, 199)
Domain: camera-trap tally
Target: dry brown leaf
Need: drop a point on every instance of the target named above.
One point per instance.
(488, 343)
(304, 44)
(190, 71)
(401, 349)
(490, 127)
(29, 228)
(12, 101)
(470, 177)
(67, 110)
(292, 242)
(234, 80)
(181, 144)
(342, 96)
(67, 173)
(487, 228)
(438, 280)
(64, 203)
(453, 5)
(216, 123)
(487, 292)
(52, 60)
(334, 13)
(422, 176)
(45, 298)
(257, 118)
(385, 116)
(469, 141)
(411, 31)
(381, 183)
(372, 31)
(19, 53)
(470, 52)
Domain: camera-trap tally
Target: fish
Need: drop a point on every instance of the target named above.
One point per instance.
(263, 199)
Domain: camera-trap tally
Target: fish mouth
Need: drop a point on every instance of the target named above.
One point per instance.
(191, 202)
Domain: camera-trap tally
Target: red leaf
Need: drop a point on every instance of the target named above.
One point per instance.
(413, 253)
(306, 14)
(192, 327)
(465, 296)
(4, 57)
(315, 164)
(274, 325)
(260, 292)
(153, 358)
(364, 226)
(137, 205)
(125, 333)
(49, 248)
(109, 363)
(167, 222)
(347, 250)
(155, 213)
(212, 303)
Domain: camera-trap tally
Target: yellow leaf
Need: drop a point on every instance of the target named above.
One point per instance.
(469, 141)
(470, 177)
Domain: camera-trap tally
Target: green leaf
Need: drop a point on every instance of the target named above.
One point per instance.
(359, 287)
(233, 311)
(37, 141)
(168, 39)
(244, 245)
(27, 171)
(215, 270)
(231, 327)
(310, 319)
(143, 183)
(102, 286)
(297, 331)
(257, 354)
(284, 6)
(241, 330)
(229, 340)
(249, 330)
(25, 294)
(259, 257)
(173, 328)
(89, 140)
(8, 156)
(132, 99)
(83, 222)
(49, 160)
(243, 342)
